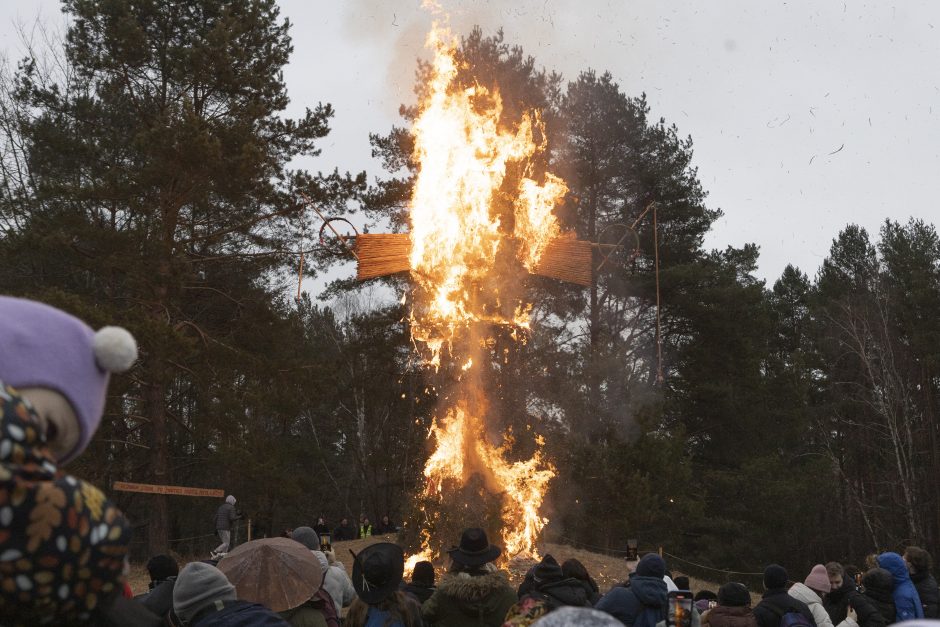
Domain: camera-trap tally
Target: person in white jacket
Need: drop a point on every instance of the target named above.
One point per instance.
(336, 582)
(811, 592)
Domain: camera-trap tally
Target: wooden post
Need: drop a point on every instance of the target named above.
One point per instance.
(249, 530)
(660, 551)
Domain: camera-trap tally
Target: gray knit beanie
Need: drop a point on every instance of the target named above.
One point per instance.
(198, 585)
(307, 537)
(577, 617)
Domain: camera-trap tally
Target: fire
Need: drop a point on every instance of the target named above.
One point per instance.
(473, 169)
(463, 155)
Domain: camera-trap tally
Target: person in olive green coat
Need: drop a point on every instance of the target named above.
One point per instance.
(473, 593)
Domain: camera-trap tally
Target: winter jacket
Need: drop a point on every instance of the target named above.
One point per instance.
(906, 601)
(422, 593)
(338, 585)
(879, 590)
(642, 604)
(382, 529)
(225, 516)
(801, 592)
(160, 599)
(838, 601)
(779, 599)
(724, 616)
(345, 532)
(464, 601)
(560, 593)
(237, 614)
(929, 594)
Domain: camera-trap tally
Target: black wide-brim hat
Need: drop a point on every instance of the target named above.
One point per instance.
(377, 571)
(475, 549)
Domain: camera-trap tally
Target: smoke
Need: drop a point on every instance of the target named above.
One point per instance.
(399, 27)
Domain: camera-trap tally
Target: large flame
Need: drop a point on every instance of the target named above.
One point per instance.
(470, 161)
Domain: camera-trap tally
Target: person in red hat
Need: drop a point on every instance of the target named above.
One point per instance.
(474, 593)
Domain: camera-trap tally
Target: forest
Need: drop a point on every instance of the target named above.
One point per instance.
(149, 179)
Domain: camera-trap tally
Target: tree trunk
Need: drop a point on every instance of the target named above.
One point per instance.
(158, 530)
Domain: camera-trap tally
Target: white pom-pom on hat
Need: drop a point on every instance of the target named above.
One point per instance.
(115, 349)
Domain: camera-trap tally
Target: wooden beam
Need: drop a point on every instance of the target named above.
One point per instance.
(175, 490)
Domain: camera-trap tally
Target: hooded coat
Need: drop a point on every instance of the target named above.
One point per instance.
(879, 590)
(928, 592)
(907, 604)
(802, 592)
(779, 599)
(547, 582)
(643, 604)
(464, 601)
(837, 604)
(66, 552)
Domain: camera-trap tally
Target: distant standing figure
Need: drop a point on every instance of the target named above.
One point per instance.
(365, 529)
(321, 527)
(224, 517)
(345, 531)
(386, 526)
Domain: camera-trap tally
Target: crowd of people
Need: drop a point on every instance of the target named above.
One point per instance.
(474, 592)
(64, 545)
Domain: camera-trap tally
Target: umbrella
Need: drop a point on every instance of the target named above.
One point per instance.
(279, 573)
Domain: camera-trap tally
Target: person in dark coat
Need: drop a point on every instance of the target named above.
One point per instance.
(575, 570)
(733, 609)
(843, 595)
(385, 526)
(918, 563)
(906, 601)
(777, 601)
(643, 603)
(204, 597)
(225, 516)
(158, 599)
(345, 531)
(474, 593)
(422, 582)
(550, 585)
(321, 527)
(878, 586)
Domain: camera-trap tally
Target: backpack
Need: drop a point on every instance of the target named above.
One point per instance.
(791, 617)
(327, 607)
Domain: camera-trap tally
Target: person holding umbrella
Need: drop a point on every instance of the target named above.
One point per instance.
(283, 575)
(377, 574)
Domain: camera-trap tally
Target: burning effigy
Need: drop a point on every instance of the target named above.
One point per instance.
(481, 219)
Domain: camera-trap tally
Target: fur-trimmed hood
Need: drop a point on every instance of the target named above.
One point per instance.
(476, 597)
(463, 587)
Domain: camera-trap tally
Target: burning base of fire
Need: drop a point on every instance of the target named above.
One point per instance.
(469, 479)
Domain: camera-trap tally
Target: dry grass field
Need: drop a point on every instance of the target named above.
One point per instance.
(606, 570)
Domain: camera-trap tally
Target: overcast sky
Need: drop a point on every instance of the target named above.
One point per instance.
(805, 115)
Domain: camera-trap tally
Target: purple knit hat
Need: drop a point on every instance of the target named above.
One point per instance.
(44, 347)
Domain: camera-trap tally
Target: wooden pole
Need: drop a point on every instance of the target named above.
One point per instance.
(249, 530)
